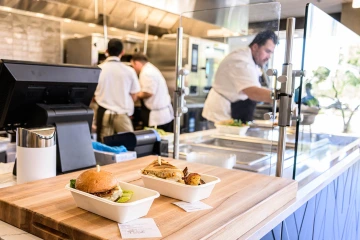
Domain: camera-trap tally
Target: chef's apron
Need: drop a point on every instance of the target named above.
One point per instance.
(145, 114)
(242, 109)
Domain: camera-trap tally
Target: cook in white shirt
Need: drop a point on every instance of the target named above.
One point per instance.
(115, 93)
(157, 109)
(236, 87)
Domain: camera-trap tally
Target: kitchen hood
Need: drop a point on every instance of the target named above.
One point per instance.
(162, 16)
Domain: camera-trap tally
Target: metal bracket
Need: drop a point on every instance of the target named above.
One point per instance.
(274, 95)
(180, 93)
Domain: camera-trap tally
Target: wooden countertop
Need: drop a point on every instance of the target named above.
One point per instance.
(240, 201)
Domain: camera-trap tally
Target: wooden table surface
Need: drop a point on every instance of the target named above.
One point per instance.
(240, 201)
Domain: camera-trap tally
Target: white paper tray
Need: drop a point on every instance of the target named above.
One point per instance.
(138, 206)
(224, 129)
(181, 191)
(224, 160)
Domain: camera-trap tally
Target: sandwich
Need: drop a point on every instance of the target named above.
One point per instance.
(102, 184)
(163, 169)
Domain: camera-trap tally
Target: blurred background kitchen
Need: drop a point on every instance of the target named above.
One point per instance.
(77, 32)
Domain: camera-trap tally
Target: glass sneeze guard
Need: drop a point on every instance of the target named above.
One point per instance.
(224, 30)
(328, 96)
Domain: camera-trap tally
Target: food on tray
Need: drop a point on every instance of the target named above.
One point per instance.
(163, 169)
(160, 131)
(192, 178)
(102, 184)
(234, 123)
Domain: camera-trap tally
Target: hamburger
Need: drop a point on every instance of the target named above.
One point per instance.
(102, 184)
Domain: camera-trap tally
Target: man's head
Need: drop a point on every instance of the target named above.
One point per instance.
(115, 47)
(263, 46)
(138, 61)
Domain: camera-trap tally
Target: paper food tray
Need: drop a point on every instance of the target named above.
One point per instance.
(138, 206)
(181, 191)
(224, 129)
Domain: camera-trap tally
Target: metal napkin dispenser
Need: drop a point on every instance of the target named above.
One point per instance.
(36, 154)
(143, 142)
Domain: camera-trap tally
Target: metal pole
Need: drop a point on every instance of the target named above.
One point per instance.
(176, 93)
(285, 94)
(105, 24)
(281, 151)
(146, 38)
(96, 8)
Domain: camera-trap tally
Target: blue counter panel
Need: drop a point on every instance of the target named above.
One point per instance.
(332, 214)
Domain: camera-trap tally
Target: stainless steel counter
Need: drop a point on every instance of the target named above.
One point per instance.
(322, 160)
(256, 151)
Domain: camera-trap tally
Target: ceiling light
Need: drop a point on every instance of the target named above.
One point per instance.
(67, 20)
(39, 15)
(113, 29)
(236, 34)
(7, 9)
(244, 39)
(356, 4)
(91, 25)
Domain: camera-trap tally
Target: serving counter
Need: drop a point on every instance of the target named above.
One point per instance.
(246, 205)
(239, 202)
(326, 168)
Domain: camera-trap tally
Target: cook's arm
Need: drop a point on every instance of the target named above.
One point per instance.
(258, 94)
(143, 95)
(134, 96)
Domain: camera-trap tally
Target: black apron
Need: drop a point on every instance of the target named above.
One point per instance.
(243, 110)
(99, 118)
(145, 114)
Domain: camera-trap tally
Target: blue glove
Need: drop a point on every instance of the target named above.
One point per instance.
(105, 148)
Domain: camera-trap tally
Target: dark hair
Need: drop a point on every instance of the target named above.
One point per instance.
(262, 37)
(140, 57)
(115, 47)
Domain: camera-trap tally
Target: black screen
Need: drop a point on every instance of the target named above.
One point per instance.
(25, 84)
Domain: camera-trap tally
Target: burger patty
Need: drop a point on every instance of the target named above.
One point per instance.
(112, 194)
(105, 194)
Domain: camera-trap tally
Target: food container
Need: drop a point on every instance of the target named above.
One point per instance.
(138, 206)
(224, 129)
(215, 159)
(181, 191)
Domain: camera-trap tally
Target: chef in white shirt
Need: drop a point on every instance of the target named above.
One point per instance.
(115, 93)
(156, 102)
(236, 87)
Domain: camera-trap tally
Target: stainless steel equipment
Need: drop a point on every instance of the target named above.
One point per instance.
(90, 50)
(200, 56)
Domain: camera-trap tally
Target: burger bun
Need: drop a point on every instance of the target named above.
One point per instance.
(92, 181)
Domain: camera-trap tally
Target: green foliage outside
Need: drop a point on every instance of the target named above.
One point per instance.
(344, 82)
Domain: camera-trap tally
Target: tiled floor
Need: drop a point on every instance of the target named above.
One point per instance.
(8, 232)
